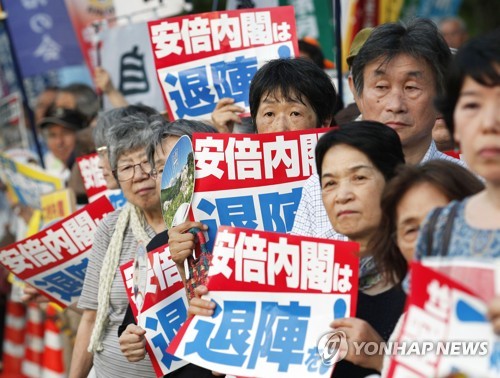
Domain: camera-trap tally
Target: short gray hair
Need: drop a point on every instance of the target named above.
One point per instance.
(176, 128)
(111, 117)
(419, 39)
(132, 133)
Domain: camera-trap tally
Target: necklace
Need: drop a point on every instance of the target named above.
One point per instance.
(368, 275)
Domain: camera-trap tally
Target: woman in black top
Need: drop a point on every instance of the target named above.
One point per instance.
(354, 161)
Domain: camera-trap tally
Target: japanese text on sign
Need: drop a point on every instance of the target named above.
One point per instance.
(204, 34)
(256, 329)
(254, 159)
(257, 260)
(193, 96)
(91, 172)
(161, 267)
(65, 283)
(164, 310)
(73, 237)
(286, 323)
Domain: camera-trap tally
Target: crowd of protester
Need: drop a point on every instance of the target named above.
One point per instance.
(383, 178)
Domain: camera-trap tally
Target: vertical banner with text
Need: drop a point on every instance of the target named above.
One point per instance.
(82, 14)
(126, 55)
(42, 35)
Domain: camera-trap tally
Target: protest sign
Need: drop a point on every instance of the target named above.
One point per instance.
(445, 331)
(57, 205)
(251, 180)
(275, 296)
(55, 259)
(28, 182)
(83, 13)
(127, 57)
(116, 198)
(12, 128)
(94, 183)
(480, 275)
(205, 57)
(92, 176)
(42, 36)
(164, 307)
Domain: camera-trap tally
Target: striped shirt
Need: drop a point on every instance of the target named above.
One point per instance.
(311, 218)
(111, 362)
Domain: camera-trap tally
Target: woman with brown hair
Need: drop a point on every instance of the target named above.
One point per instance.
(406, 201)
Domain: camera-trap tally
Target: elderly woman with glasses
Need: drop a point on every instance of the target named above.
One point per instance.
(104, 299)
(132, 340)
(100, 135)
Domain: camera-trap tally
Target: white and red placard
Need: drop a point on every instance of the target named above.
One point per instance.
(164, 309)
(445, 331)
(55, 259)
(275, 296)
(202, 58)
(251, 180)
(93, 179)
(94, 182)
(479, 275)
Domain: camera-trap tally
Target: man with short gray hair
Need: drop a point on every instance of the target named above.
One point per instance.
(396, 76)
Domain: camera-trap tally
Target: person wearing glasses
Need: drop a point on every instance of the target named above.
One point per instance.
(132, 340)
(100, 135)
(410, 196)
(104, 299)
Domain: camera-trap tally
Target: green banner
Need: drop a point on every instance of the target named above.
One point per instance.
(314, 18)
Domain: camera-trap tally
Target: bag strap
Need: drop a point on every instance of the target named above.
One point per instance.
(448, 228)
(431, 226)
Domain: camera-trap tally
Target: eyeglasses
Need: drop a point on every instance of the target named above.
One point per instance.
(102, 151)
(154, 173)
(127, 172)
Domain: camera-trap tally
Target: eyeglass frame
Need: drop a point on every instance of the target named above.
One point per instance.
(102, 151)
(150, 173)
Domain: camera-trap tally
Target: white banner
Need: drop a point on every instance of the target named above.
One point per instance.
(147, 10)
(126, 54)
